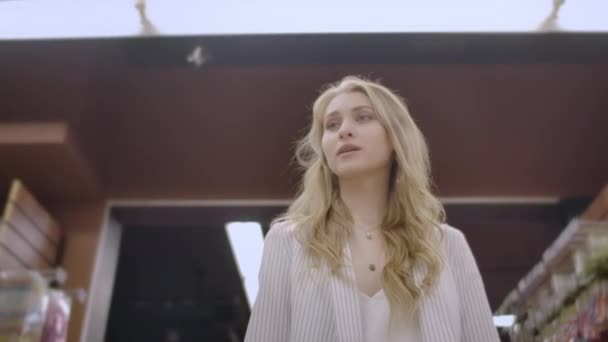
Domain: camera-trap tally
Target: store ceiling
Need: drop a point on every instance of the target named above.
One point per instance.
(505, 115)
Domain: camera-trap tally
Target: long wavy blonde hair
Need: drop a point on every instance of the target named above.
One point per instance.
(411, 224)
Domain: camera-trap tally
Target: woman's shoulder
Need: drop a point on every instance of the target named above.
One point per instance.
(453, 239)
(281, 232)
(450, 232)
(282, 227)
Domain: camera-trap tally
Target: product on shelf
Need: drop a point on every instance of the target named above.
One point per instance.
(30, 311)
(23, 304)
(57, 317)
(565, 296)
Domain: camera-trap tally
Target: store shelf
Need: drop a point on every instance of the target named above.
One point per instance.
(557, 258)
(562, 293)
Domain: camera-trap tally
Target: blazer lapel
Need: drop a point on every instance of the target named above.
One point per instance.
(439, 319)
(346, 304)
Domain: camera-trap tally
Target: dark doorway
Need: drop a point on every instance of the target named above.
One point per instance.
(180, 282)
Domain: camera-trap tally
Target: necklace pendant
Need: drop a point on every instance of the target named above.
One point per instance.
(368, 235)
(372, 267)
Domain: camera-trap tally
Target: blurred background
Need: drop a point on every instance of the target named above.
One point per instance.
(145, 147)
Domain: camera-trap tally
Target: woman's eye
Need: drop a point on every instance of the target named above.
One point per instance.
(365, 117)
(332, 125)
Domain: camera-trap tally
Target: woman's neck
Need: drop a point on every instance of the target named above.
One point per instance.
(366, 199)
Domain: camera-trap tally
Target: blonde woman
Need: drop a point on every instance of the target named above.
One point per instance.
(363, 253)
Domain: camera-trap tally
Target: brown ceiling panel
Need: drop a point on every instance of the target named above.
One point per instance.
(517, 130)
(504, 115)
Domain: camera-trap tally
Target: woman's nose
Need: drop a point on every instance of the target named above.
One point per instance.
(346, 130)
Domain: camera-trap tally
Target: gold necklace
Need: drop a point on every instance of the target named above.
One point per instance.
(368, 235)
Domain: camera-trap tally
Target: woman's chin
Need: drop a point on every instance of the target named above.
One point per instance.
(351, 171)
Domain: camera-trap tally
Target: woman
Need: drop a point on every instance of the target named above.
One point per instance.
(363, 253)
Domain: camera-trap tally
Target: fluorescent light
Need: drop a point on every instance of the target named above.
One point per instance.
(247, 243)
(504, 320)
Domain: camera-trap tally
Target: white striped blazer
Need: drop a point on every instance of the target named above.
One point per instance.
(293, 307)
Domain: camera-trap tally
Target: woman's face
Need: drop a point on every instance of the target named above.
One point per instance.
(354, 140)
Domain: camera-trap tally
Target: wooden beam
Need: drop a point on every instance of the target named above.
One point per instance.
(33, 133)
(47, 157)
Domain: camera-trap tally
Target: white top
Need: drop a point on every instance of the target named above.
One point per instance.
(375, 316)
